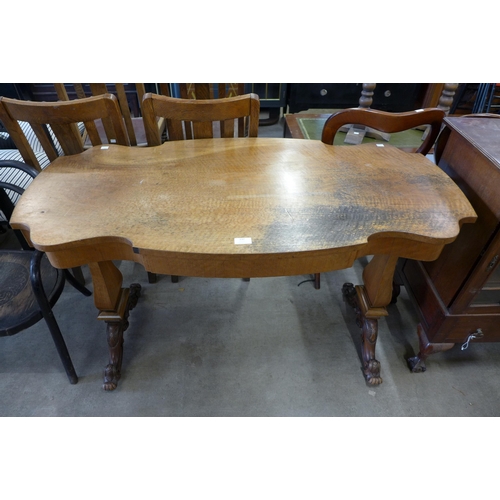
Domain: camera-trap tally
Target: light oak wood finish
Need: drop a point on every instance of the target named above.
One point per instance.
(134, 126)
(62, 118)
(198, 116)
(207, 90)
(194, 118)
(133, 123)
(307, 206)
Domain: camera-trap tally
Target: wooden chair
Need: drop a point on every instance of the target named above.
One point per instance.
(30, 285)
(207, 90)
(196, 119)
(132, 117)
(384, 122)
(213, 91)
(55, 124)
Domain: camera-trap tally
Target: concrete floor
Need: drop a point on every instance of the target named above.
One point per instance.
(226, 347)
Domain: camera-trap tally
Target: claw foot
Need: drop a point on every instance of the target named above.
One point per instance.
(372, 372)
(115, 329)
(416, 364)
(111, 376)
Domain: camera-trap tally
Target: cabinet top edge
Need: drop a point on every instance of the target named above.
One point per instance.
(482, 132)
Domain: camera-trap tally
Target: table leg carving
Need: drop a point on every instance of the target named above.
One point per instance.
(116, 325)
(112, 373)
(114, 304)
(417, 363)
(369, 332)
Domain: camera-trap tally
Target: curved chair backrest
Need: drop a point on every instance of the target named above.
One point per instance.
(55, 124)
(188, 118)
(386, 122)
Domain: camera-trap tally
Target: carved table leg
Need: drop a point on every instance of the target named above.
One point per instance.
(115, 304)
(112, 373)
(369, 331)
(115, 327)
(417, 363)
(369, 302)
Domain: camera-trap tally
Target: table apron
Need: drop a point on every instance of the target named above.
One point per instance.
(243, 265)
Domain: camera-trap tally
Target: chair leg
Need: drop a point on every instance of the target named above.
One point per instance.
(48, 315)
(75, 283)
(174, 279)
(152, 278)
(78, 274)
(317, 282)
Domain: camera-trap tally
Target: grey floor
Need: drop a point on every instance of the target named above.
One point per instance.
(226, 347)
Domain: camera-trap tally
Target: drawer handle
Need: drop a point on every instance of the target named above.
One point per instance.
(476, 335)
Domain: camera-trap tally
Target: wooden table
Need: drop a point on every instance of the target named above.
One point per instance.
(250, 207)
(310, 126)
(294, 130)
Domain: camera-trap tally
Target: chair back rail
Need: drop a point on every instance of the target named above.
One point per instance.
(194, 118)
(386, 122)
(206, 91)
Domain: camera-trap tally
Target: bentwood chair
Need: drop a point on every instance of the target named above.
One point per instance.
(29, 285)
(384, 122)
(55, 125)
(200, 119)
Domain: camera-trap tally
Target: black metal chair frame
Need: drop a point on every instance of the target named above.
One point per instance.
(45, 302)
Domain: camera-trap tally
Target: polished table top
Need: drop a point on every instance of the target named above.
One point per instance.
(192, 198)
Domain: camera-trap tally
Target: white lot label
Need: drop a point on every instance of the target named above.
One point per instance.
(242, 241)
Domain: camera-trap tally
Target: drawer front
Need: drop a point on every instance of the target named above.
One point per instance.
(457, 328)
(395, 97)
(439, 324)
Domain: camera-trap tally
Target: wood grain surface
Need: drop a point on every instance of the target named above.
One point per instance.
(177, 208)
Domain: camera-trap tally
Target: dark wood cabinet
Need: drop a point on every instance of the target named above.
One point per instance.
(393, 97)
(458, 295)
